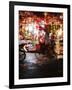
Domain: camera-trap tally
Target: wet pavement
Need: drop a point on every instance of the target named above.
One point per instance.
(40, 66)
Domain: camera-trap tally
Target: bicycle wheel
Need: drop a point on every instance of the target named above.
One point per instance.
(22, 55)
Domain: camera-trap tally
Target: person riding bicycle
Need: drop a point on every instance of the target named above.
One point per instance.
(43, 45)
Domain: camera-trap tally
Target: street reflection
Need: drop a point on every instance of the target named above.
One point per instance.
(34, 67)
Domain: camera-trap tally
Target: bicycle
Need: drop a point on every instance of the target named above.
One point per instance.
(22, 53)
